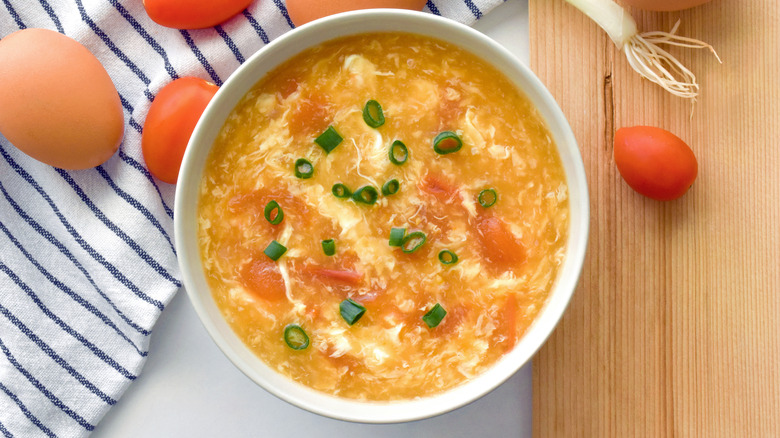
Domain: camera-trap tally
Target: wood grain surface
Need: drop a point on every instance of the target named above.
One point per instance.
(674, 330)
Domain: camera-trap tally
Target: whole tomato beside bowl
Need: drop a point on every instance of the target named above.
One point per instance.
(171, 119)
(304, 11)
(193, 14)
(655, 162)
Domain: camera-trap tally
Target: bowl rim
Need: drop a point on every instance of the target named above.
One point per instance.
(236, 86)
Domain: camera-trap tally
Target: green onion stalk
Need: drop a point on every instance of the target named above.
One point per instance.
(644, 50)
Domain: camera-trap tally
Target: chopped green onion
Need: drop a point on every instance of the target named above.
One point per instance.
(397, 236)
(447, 257)
(329, 247)
(447, 142)
(351, 311)
(434, 316)
(295, 337)
(487, 197)
(366, 195)
(339, 190)
(391, 187)
(274, 250)
(413, 241)
(398, 153)
(329, 139)
(373, 115)
(270, 208)
(303, 168)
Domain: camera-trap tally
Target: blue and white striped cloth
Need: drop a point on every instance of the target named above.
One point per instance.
(87, 258)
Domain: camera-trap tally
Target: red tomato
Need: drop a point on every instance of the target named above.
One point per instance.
(304, 11)
(172, 118)
(655, 162)
(311, 115)
(193, 14)
(352, 278)
(439, 186)
(499, 245)
(264, 280)
(506, 319)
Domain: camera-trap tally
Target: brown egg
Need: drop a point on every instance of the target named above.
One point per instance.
(304, 11)
(664, 5)
(57, 103)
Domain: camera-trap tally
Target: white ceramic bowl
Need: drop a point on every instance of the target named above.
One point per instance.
(213, 118)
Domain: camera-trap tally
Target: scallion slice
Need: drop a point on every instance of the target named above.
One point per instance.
(274, 250)
(366, 195)
(329, 247)
(373, 115)
(487, 197)
(329, 139)
(303, 168)
(447, 257)
(351, 311)
(447, 142)
(295, 337)
(397, 236)
(413, 241)
(391, 187)
(434, 316)
(273, 213)
(398, 153)
(339, 190)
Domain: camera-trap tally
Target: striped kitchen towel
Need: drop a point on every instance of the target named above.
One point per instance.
(87, 258)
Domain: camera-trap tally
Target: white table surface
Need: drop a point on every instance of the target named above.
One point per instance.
(188, 388)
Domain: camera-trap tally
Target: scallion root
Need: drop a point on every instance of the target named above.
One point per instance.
(644, 51)
(645, 55)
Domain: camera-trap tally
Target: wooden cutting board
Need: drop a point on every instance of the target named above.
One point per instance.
(675, 327)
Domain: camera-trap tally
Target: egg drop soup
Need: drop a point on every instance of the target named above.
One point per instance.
(479, 208)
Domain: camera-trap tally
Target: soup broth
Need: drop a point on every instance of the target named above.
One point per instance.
(498, 204)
